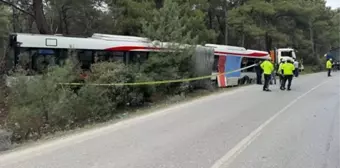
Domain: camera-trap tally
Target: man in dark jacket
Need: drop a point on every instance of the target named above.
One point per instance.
(259, 72)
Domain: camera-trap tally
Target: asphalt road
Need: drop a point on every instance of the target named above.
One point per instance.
(243, 128)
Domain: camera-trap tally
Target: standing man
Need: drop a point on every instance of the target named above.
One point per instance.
(288, 72)
(259, 72)
(280, 71)
(268, 68)
(296, 65)
(329, 66)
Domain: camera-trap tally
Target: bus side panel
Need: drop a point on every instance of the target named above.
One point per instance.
(233, 63)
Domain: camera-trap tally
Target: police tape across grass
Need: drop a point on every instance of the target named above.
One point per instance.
(159, 82)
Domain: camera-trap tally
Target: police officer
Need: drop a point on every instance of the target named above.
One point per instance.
(329, 66)
(280, 71)
(268, 68)
(288, 72)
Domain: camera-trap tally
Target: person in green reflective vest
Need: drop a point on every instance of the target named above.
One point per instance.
(268, 68)
(288, 72)
(329, 67)
(280, 71)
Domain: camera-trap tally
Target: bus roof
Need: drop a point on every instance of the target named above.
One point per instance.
(120, 43)
(225, 50)
(96, 42)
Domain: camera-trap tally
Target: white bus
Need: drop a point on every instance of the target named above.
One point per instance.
(35, 52)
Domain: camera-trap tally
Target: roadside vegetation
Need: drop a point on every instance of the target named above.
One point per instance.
(36, 107)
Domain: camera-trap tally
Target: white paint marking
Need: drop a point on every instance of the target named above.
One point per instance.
(229, 157)
(20, 155)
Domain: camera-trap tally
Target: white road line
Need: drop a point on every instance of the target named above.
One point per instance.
(229, 157)
(36, 150)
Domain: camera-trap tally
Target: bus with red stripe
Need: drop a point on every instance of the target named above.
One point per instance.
(36, 51)
(229, 58)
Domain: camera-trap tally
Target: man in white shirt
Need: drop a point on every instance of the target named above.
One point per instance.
(296, 65)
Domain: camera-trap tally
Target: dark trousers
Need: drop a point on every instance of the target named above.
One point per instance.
(329, 72)
(266, 81)
(281, 79)
(288, 78)
(296, 72)
(258, 78)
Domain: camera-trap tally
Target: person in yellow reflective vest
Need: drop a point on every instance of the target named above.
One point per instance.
(280, 71)
(288, 72)
(268, 68)
(329, 66)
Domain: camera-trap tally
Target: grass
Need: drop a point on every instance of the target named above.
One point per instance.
(308, 70)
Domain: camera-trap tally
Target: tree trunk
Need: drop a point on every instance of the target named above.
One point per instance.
(269, 42)
(226, 34)
(15, 20)
(243, 39)
(65, 19)
(210, 18)
(315, 57)
(61, 22)
(40, 19)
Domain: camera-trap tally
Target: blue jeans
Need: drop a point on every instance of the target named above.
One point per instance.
(296, 72)
(273, 78)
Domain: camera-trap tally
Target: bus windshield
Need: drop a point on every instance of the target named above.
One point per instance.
(287, 54)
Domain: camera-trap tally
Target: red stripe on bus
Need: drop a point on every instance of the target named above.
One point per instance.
(130, 48)
(254, 54)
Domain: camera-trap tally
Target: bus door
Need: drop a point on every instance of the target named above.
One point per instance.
(233, 63)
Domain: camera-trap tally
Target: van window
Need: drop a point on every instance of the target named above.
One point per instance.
(287, 54)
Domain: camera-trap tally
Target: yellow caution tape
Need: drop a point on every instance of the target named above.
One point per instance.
(157, 82)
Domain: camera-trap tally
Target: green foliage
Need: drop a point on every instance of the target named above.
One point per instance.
(38, 102)
(40, 106)
(4, 21)
(171, 24)
(308, 26)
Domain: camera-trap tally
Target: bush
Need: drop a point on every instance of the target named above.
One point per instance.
(40, 106)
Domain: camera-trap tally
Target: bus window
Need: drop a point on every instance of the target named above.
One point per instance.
(42, 59)
(138, 57)
(101, 56)
(61, 56)
(215, 64)
(116, 56)
(85, 58)
(24, 58)
(248, 62)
